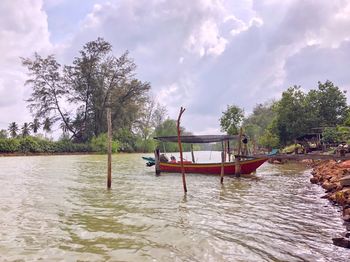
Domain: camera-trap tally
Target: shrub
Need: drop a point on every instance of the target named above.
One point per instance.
(9, 145)
(29, 144)
(99, 144)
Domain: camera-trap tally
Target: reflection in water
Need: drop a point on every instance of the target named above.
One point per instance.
(58, 208)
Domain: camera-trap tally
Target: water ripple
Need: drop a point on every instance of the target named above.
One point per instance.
(57, 208)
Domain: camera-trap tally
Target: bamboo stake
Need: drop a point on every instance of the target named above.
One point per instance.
(222, 164)
(109, 147)
(237, 162)
(180, 149)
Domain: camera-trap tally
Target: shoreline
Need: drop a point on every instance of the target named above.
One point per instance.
(47, 154)
(335, 179)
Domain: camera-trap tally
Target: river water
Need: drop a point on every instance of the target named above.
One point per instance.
(57, 208)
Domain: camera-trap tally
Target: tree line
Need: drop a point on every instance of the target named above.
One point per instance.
(278, 123)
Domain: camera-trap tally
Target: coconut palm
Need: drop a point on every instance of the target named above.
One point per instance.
(35, 125)
(47, 124)
(13, 129)
(25, 130)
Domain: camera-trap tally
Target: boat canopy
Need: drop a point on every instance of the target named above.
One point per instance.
(197, 139)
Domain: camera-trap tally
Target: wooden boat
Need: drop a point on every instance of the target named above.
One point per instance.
(247, 165)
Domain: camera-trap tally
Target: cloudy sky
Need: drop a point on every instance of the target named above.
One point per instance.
(200, 54)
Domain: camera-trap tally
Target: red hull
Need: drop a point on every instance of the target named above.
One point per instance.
(247, 167)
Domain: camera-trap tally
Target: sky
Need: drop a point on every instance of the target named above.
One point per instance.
(199, 54)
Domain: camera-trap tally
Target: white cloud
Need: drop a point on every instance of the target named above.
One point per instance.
(23, 30)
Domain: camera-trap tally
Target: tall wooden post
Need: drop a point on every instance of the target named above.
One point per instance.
(192, 154)
(109, 147)
(238, 159)
(222, 164)
(180, 149)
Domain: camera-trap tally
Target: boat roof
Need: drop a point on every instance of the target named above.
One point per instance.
(197, 139)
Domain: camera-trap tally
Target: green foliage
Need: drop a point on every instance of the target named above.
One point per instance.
(126, 140)
(29, 144)
(255, 125)
(269, 140)
(297, 112)
(3, 134)
(231, 119)
(99, 144)
(347, 119)
(144, 145)
(331, 135)
(9, 145)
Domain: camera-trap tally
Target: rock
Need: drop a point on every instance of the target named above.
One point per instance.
(345, 164)
(341, 242)
(347, 235)
(345, 181)
(329, 186)
(313, 180)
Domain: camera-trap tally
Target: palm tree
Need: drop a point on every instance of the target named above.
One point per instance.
(47, 125)
(25, 130)
(35, 125)
(13, 129)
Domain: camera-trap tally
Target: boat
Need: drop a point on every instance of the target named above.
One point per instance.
(246, 164)
(247, 167)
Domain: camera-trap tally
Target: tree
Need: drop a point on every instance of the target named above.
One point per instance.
(96, 75)
(95, 78)
(13, 129)
(35, 125)
(25, 130)
(262, 116)
(329, 103)
(231, 119)
(169, 128)
(48, 88)
(47, 124)
(3, 134)
(151, 116)
(291, 119)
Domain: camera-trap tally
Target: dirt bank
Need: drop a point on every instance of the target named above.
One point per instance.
(335, 179)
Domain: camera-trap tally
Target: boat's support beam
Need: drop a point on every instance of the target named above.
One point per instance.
(222, 167)
(182, 110)
(192, 154)
(157, 161)
(238, 159)
(228, 151)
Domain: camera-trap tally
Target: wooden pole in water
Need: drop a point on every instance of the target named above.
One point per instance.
(180, 149)
(238, 159)
(109, 147)
(222, 164)
(192, 154)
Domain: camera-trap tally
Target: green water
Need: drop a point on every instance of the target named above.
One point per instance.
(57, 208)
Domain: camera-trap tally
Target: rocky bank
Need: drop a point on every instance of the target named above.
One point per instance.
(335, 179)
